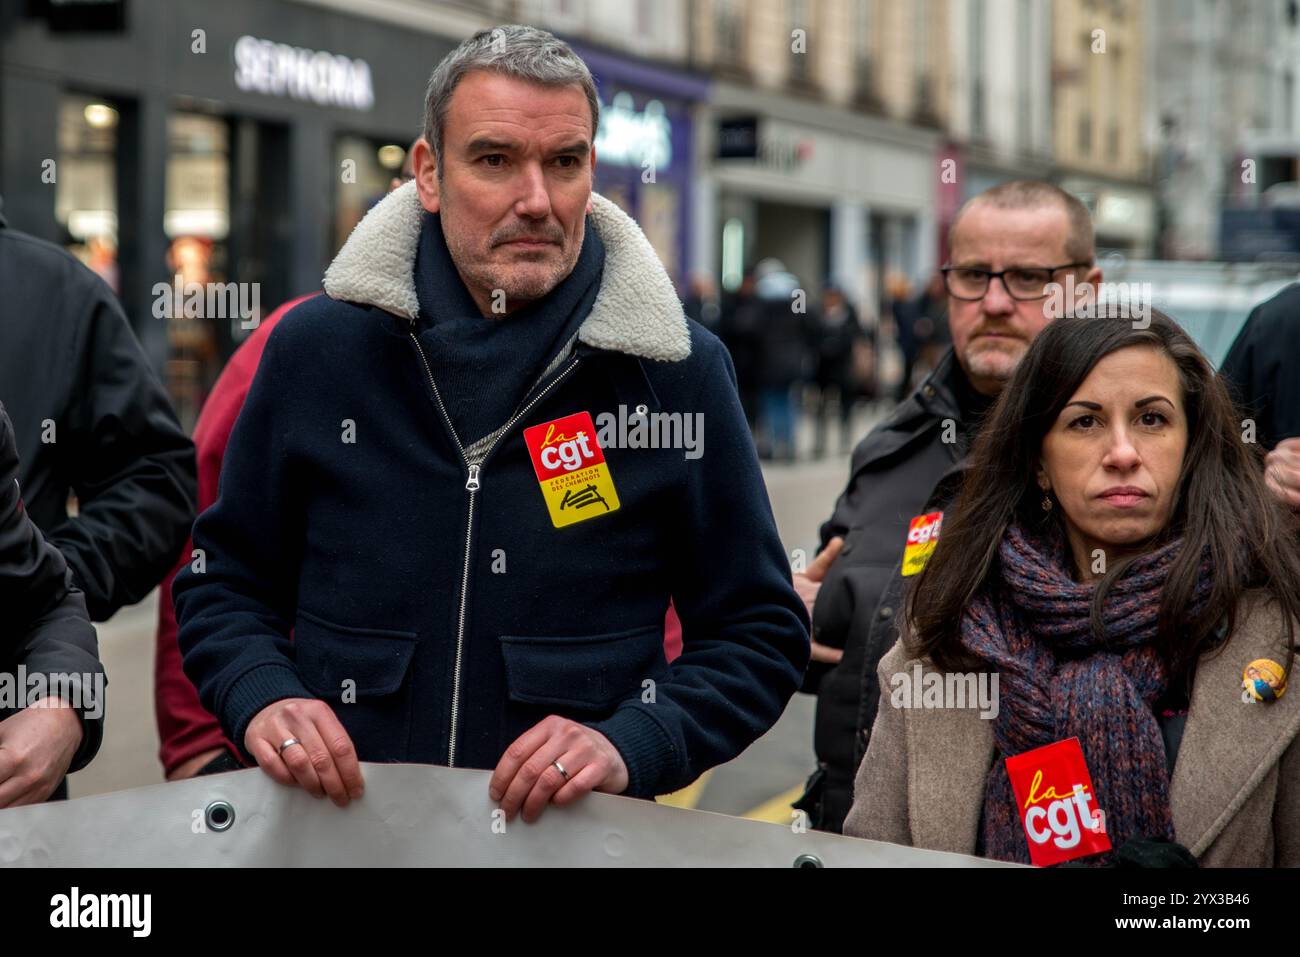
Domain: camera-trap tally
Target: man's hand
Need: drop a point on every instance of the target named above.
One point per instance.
(526, 776)
(808, 584)
(324, 762)
(37, 746)
(1282, 471)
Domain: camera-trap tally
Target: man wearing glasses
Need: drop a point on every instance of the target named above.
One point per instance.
(1009, 245)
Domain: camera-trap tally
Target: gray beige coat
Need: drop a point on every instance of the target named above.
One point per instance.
(1235, 790)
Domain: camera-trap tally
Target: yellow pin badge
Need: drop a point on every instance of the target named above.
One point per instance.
(1263, 680)
(571, 469)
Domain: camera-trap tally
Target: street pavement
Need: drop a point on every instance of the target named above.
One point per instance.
(760, 783)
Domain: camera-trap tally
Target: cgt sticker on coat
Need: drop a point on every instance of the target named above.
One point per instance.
(922, 540)
(571, 469)
(1053, 791)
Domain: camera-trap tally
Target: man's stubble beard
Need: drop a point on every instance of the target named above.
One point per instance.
(519, 286)
(993, 364)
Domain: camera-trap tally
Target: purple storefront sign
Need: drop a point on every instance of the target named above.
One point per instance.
(618, 171)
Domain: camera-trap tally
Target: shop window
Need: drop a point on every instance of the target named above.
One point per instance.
(659, 222)
(85, 191)
(366, 170)
(202, 332)
(198, 177)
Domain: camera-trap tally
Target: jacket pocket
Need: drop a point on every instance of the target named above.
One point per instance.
(333, 659)
(588, 673)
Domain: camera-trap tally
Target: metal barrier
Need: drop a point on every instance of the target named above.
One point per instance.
(410, 816)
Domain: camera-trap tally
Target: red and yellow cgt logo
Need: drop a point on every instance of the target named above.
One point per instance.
(571, 469)
(922, 540)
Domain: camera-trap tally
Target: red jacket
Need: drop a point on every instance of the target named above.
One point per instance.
(185, 728)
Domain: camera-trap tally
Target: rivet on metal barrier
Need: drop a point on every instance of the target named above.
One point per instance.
(220, 816)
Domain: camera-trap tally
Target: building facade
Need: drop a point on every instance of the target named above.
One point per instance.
(234, 148)
(1000, 100)
(1101, 70)
(820, 139)
(1223, 126)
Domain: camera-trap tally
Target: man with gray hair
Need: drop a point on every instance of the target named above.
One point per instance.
(421, 551)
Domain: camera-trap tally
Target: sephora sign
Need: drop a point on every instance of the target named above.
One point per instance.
(277, 69)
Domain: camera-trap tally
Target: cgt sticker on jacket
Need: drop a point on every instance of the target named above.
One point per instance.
(571, 469)
(922, 540)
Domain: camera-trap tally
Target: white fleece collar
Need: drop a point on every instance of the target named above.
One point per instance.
(636, 310)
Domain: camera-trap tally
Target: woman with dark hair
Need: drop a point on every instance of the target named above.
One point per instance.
(1117, 570)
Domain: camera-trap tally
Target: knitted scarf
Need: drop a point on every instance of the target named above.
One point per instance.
(1057, 681)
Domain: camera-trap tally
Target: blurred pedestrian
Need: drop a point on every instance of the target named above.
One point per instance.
(902, 309)
(783, 357)
(838, 337)
(701, 302)
(740, 331)
(930, 325)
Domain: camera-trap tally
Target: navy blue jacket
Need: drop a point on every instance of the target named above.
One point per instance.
(330, 567)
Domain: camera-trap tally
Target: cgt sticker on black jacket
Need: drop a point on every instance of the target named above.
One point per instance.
(571, 469)
(922, 540)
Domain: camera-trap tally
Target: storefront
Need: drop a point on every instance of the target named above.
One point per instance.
(234, 148)
(837, 196)
(645, 147)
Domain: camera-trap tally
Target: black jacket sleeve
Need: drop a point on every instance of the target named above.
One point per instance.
(1261, 367)
(129, 462)
(43, 626)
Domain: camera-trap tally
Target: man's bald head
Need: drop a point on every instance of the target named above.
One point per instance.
(1035, 194)
(1016, 227)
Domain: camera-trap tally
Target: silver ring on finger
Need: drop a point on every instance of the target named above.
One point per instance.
(560, 767)
(288, 743)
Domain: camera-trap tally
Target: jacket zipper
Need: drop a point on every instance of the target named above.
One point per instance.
(472, 485)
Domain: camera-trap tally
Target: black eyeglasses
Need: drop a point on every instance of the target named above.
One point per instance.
(1023, 283)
